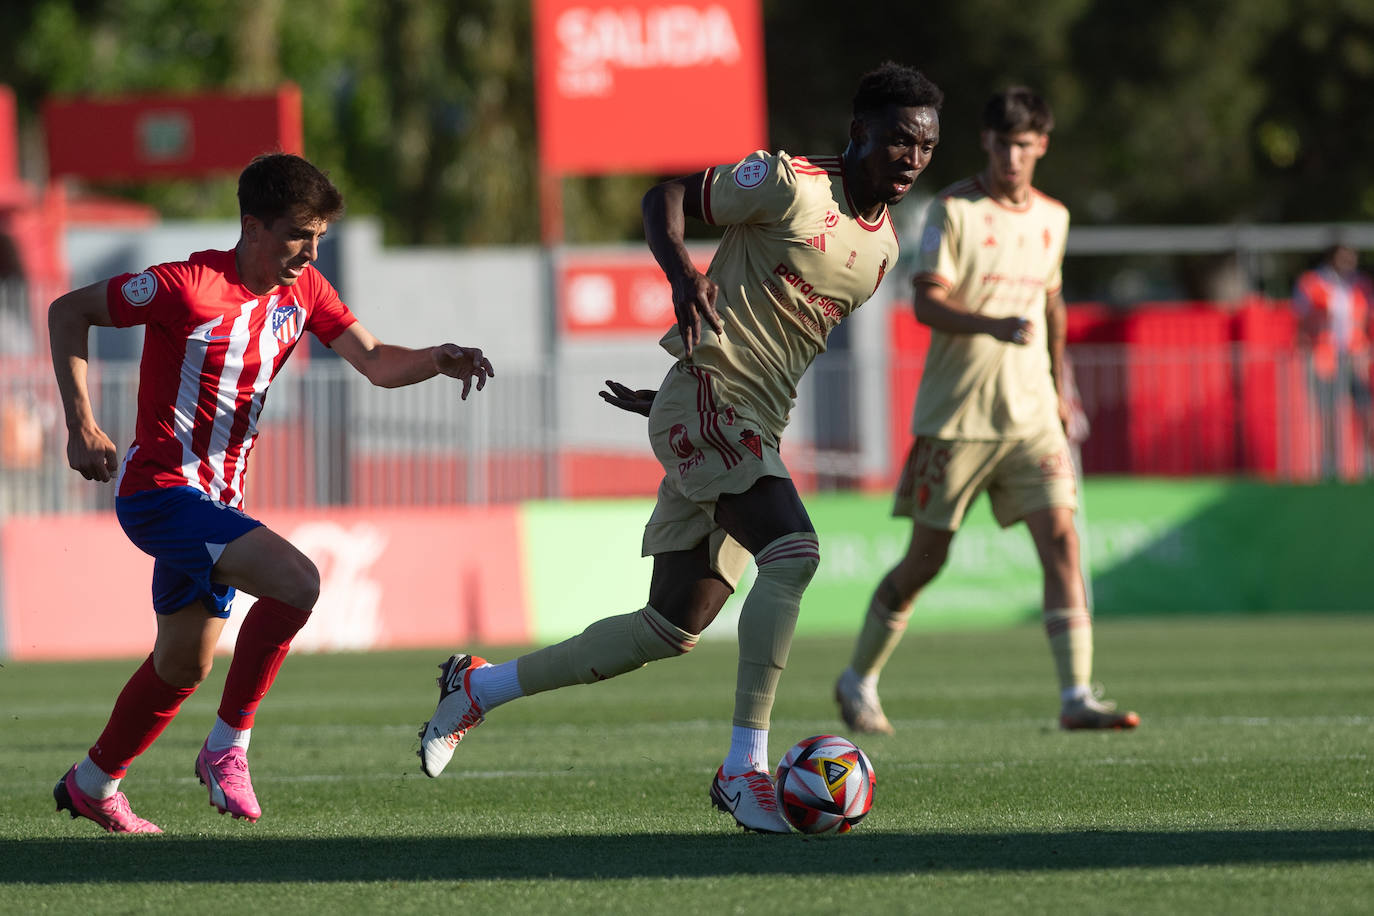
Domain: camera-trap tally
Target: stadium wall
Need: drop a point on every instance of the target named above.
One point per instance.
(74, 588)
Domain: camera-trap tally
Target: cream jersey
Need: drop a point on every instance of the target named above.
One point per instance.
(1000, 261)
(795, 260)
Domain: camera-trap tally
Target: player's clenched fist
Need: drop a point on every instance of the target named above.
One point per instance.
(90, 452)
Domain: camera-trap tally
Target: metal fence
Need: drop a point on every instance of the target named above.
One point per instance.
(329, 438)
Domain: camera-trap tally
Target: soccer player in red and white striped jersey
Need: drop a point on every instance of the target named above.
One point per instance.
(218, 328)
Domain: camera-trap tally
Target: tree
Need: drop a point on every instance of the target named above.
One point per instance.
(423, 110)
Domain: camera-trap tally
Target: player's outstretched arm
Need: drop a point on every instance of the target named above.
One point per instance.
(391, 366)
(70, 319)
(936, 309)
(639, 401)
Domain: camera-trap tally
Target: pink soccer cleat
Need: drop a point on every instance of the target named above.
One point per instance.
(225, 773)
(113, 813)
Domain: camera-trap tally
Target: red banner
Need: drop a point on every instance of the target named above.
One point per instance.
(74, 587)
(648, 85)
(615, 294)
(169, 136)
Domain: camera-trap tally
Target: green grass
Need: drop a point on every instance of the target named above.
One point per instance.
(1248, 789)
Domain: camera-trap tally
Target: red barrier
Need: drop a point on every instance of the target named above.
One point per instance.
(1180, 398)
(1169, 388)
(907, 358)
(1268, 380)
(75, 588)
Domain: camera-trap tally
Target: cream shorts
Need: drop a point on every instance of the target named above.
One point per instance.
(707, 449)
(942, 477)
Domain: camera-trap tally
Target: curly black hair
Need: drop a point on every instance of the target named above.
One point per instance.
(893, 84)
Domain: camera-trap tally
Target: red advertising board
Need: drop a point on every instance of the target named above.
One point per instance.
(386, 582)
(169, 136)
(647, 85)
(616, 293)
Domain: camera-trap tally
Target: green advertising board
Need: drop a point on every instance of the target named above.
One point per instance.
(1151, 545)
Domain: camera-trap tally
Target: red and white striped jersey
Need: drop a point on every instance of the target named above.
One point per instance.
(210, 349)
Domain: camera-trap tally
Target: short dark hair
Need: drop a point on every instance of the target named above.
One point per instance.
(893, 84)
(280, 184)
(1017, 109)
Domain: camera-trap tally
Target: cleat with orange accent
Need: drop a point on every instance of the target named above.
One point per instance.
(751, 799)
(456, 714)
(1091, 712)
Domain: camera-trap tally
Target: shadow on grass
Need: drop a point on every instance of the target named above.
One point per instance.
(162, 858)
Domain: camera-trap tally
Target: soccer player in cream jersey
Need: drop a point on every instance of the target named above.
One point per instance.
(991, 408)
(808, 240)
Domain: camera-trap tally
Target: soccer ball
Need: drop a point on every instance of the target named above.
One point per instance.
(825, 785)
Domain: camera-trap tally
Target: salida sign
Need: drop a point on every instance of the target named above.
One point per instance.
(648, 86)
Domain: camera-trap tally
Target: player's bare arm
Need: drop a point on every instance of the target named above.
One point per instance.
(391, 366)
(1056, 336)
(666, 207)
(639, 401)
(935, 308)
(70, 319)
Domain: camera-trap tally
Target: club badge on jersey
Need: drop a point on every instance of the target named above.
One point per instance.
(287, 322)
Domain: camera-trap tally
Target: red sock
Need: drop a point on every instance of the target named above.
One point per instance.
(258, 655)
(145, 706)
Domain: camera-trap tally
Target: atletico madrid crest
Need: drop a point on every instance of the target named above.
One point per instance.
(287, 321)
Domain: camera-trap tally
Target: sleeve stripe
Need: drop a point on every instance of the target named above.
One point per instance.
(929, 277)
(706, 196)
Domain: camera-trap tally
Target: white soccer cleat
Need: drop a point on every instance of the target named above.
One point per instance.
(751, 799)
(1093, 712)
(456, 713)
(859, 706)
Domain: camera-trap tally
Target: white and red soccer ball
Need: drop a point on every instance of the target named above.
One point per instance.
(825, 785)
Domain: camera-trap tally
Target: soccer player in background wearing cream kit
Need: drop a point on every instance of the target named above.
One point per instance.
(808, 240)
(991, 409)
(218, 328)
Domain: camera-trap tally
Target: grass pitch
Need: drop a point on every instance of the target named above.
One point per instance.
(1248, 789)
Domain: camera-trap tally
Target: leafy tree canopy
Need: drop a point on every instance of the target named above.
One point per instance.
(423, 110)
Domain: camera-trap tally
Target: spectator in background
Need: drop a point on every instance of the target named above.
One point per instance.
(1333, 302)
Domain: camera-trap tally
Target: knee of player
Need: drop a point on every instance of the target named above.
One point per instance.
(183, 672)
(913, 573)
(303, 588)
(1062, 544)
(795, 557)
(927, 561)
